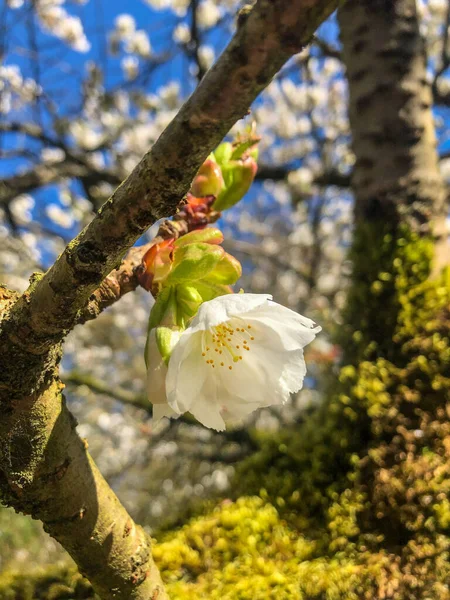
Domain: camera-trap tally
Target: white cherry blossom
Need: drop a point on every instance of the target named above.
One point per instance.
(241, 352)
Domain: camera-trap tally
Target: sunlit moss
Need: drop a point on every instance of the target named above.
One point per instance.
(57, 582)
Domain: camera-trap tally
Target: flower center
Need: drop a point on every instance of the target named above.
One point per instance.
(226, 344)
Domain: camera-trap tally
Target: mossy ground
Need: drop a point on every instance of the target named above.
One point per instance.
(355, 504)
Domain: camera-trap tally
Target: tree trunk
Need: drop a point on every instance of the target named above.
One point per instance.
(396, 176)
(397, 383)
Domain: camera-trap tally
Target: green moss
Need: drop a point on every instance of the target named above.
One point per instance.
(246, 550)
(59, 582)
(390, 292)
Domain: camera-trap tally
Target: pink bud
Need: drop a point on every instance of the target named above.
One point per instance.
(208, 181)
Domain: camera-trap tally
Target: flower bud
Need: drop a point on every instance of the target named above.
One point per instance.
(222, 153)
(209, 235)
(238, 177)
(166, 338)
(208, 181)
(245, 148)
(157, 262)
(188, 300)
(164, 311)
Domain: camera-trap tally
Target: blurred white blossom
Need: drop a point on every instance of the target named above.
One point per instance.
(130, 66)
(208, 14)
(125, 25)
(139, 43)
(182, 33)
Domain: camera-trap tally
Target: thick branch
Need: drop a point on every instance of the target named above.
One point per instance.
(47, 472)
(118, 283)
(396, 175)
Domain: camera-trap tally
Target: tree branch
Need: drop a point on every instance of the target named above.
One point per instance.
(99, 387)
(194, 44)
(444, 59)
(72, 167)
(327, 49)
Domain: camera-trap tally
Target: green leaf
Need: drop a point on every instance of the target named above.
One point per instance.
(238, 178)
(209, 235)
(163, 304)
(227, 271)
(242, 147)
(194, 261)
(222, 153)
(209, 290)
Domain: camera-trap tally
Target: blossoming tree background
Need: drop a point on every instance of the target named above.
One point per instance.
(344, 491)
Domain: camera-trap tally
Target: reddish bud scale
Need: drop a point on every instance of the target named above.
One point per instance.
(197, 212)
(156, 262)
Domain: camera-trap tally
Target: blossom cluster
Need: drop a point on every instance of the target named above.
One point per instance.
(57, 21)
(211, 352)
(16, 90)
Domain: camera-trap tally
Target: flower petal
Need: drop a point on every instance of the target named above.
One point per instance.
(156, 372)
(282, 350)
(163, 410)
(186, 373)
(295, 331)
(237, 408)
(206, 408)
(265, 376)
(221, 309)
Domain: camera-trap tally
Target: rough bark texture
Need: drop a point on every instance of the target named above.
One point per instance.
(390, 111)
(396, 175)
(45, 469)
